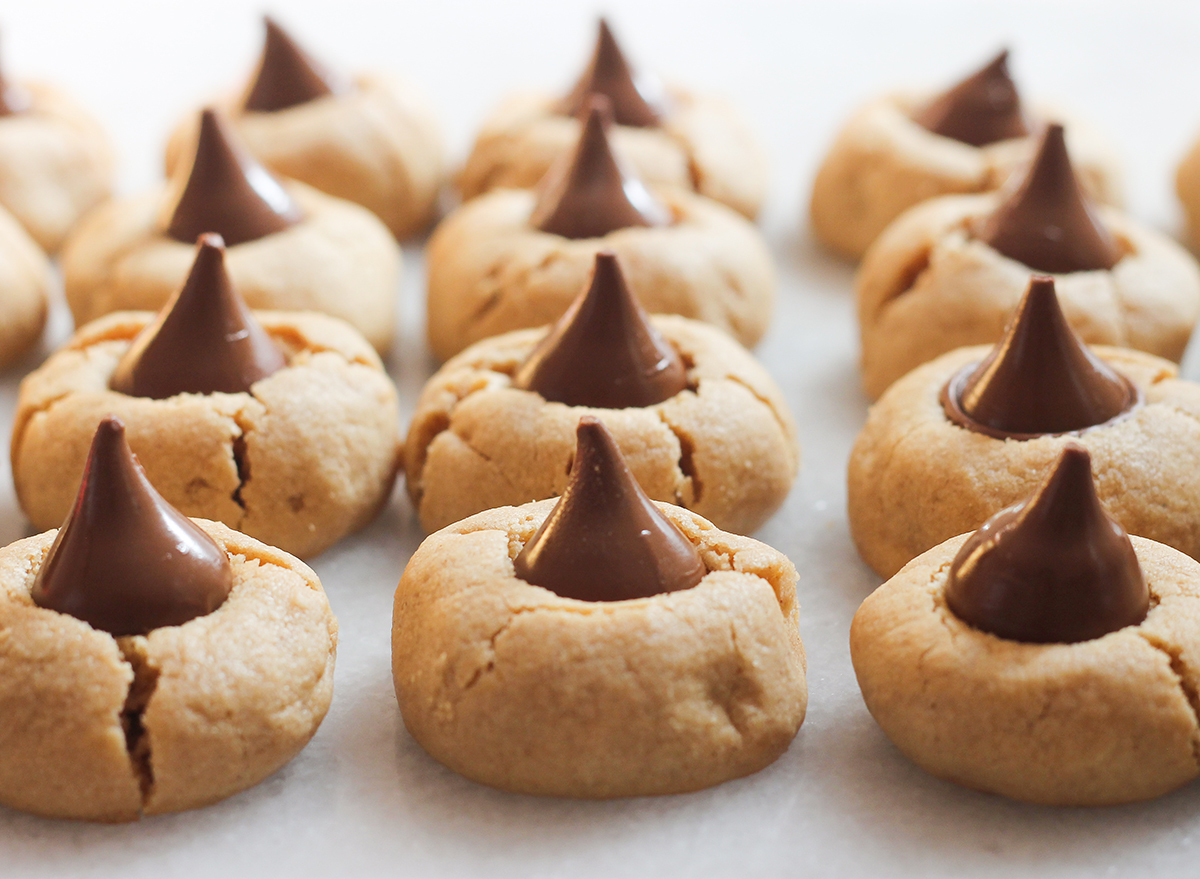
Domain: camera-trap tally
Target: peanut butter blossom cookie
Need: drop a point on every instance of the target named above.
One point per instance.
(370, 139)
(516, 258)
(25, 282)
(670, 135)
(949, 272)
(280, 424)
(902, 149)
(1047, 657)
(290, 247)
(152, 663)
(700, 423)
(971, 432)
(600, 645)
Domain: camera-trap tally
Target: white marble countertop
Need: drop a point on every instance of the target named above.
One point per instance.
(363, 799)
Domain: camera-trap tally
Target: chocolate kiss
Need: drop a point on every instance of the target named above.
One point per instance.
(1054, 568)
(605, 540)
(1047, 221)
(636, 99)
(229, 192)
(588, 194)
(204, 341)
(125, 561)
(603, 352)
(13, 98)
(1039, 379)
(287, 75)
(982, 109)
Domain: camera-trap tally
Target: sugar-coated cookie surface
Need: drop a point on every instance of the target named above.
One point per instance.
(1109, 720)
(25, 280)
(927, 286)
(724, 448)
(882, 163)
(491, 271)
(915, 478)
(515, 687)
(308, 456)
(221, 702)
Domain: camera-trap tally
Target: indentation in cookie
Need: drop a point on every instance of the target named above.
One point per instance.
(287, 75)
(637, 99)
(141, 689)
(983, 108)
(1046, 220)
(588, 193)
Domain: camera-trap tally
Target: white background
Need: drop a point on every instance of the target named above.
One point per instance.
(363, 799)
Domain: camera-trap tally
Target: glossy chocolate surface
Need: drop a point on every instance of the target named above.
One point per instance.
(125, 561)
(605, 540)
(287, 75)
(204, 341)
(229, 192)
(587, 193)
(984, 108)
(1047, 221)
(637, 99)
(603, 352)
(1039, 379)
(1053, 569)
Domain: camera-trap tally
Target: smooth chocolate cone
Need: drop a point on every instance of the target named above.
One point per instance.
(1039, 379)
(984, 108)
(125, 561)
(1048, 222)
(636, 98)
(229, 192)
(287, 75)
(603, 352)
(587, 193)
(204, 341)
(1053, 569)
(605, 540)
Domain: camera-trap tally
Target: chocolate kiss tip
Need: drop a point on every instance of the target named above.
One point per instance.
(1053, 569)
(287, 75)
(604, 352)
(229, 192)
(983, 108)
(1047, 221)
(635, 99)
(125, 561)
(605, 540)
(204, 341)
(587, 193)
(1039, 379)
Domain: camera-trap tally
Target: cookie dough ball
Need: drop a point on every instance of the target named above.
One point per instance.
(971, 432)
(885, 161)
(56, 162)
(725, 447)
(939, 279)
(516, 258)
(25, 280)
(372, 140)
(1046, 717)
(106, 729)
(515, 686)
(290, 246)
(305, 457)
(672, 137)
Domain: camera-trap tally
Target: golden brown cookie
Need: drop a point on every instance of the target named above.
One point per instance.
(25, 280)
(513, 686)
(56, 162)
(929, 286)
(1187, 187)
(308, 456)
(916, 478)
(372, 140)
(1102, 721)
(106, 729)
(724, 448)
(491, 271)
